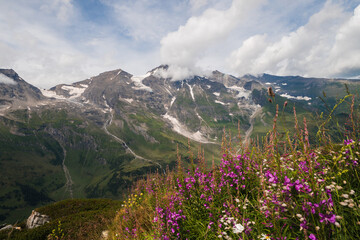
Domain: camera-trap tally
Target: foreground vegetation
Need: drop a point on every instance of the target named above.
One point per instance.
(70, 219)
(281, 188)
(293, 183)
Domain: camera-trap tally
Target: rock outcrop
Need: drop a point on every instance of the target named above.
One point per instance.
(36, 219)
(5, 227)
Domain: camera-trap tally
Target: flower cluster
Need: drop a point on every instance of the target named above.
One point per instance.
(304, 194)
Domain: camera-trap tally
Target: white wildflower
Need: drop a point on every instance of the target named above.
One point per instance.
(345, 195)
(238, 228)
(264, 237)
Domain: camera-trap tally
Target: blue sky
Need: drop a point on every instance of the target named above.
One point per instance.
(62, 41)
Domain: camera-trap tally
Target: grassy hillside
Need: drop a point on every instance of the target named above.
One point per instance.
(33, 147)
(284, 188)
(70, 219)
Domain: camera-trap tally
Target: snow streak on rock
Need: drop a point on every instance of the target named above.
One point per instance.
(220, 102)
(242, 92)
(191, 92)
(172, 101)
(138, 82)
(179, 128)
(74, 92)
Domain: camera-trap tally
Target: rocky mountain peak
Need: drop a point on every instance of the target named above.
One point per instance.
(14, 90)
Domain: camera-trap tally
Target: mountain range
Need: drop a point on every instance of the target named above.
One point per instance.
(95, 137)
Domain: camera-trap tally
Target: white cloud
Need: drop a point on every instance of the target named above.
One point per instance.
(326, 46)
(186, 46)
(176, 72)
(196, 4)
(145, 20)
(62, 41)
(6, 80)
(48, 43)
(345, 53)
(62, 9)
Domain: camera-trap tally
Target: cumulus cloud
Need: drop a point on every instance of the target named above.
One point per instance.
(184, 47)
(345, 53)
(6, 80)
(62, 41)
(327, 45)
(48, 43)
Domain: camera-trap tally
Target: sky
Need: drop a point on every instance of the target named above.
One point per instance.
(48, 42)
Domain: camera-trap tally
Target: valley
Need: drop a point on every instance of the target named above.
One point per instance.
(94, 138)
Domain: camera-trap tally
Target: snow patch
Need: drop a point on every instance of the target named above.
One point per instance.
(268, 83)
(168, 91)
(208, 86)
(242, 92)
(191, 92)
(220, 102)
(305, 98)
(51, 94)
(108, 108)
(74, 92)
(129, 100)
(284, 84)
(216, 94)
(138, 83)
(172, 101)
(6, 80)
(179, 128)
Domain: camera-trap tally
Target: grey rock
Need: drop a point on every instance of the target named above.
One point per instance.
(6, 227)
(36, 219)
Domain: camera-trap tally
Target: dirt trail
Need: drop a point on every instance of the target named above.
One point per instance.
(69, 182)
(107, 123)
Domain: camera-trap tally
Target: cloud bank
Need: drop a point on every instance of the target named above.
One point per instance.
(326, 46)
(183, 48)
(63, 41)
